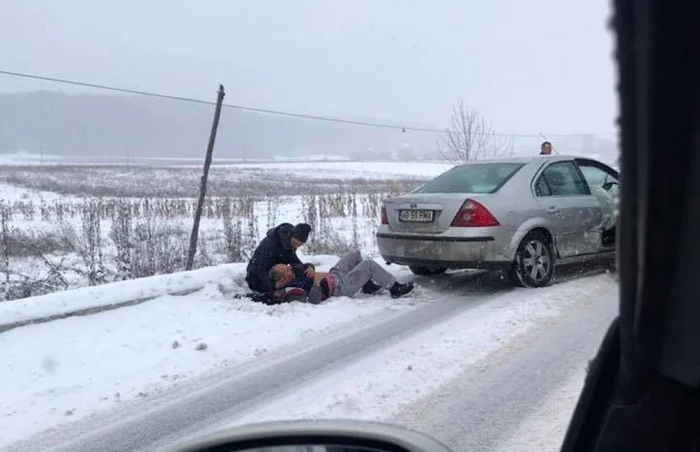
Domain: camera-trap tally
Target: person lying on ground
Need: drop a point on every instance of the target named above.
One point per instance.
(278, 247)
(350, 274)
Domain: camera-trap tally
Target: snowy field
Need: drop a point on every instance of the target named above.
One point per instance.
(66, 226)
(190, 327)
(291, 178)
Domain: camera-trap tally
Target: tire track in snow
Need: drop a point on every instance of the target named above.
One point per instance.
(498, 398)
(376, 386)
(541, 431)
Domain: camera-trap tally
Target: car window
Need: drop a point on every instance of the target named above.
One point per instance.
(600, 180)
(541, 188)
(561, 179)
(596, 177)
(477, 178)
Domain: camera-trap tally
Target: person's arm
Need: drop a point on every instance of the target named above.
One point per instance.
(313, 296)
(294, 259)
(305, 267)
(316, 294)
(308, 269)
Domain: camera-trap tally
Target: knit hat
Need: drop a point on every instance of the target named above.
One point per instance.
(301, 232)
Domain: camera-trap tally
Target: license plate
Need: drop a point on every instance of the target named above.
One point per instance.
(416, 216)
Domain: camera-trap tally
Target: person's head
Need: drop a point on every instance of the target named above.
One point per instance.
(546, 148)
(299, 236)
(280, 275)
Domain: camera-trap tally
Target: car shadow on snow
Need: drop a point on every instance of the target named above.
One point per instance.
(465, 282)
(471, 282)
(568, 272)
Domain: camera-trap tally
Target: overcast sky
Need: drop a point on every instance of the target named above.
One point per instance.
(527, 66)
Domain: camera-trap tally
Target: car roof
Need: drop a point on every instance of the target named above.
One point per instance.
(527, 160)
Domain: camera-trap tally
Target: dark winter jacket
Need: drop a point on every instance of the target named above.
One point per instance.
(302, 288)
(275, 248)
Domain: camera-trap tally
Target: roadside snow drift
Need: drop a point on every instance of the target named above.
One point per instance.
(58, 303)
(63, 370)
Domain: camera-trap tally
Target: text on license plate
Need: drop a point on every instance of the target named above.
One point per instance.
(416, 216)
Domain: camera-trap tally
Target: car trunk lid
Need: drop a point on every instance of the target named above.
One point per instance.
(429, 213)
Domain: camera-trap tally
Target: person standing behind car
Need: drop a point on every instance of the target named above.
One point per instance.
(278, 247)
(546, 148)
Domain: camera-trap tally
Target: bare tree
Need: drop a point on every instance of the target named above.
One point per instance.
(470, 138)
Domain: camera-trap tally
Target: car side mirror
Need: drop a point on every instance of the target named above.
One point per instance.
(316, 436)
(608, 185)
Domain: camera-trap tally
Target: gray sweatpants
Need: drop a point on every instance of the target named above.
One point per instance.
(352, 272)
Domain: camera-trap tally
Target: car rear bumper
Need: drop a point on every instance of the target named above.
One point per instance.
(482, 251)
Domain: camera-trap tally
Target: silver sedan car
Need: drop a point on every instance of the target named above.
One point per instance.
(519, 215)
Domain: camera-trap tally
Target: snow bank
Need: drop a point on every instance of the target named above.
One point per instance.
(380, 385)
(66, 369)
(115, 293)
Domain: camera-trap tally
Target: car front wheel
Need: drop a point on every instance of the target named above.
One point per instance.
(534, 262)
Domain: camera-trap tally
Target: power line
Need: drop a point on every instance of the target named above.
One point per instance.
(105, 87)
(267, 111)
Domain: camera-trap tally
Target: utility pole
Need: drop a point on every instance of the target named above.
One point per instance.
(203, 186)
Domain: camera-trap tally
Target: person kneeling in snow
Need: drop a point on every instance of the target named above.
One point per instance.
(278, 247)
(351, 274)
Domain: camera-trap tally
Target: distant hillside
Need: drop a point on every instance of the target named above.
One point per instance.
(107, 125)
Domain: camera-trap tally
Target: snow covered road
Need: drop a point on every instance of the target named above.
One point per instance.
(520, 398)
(467, 365)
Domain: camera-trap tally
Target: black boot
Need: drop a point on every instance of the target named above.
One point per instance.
(370, 287)
(399, 290)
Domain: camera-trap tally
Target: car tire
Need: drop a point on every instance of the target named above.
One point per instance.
(426, 271)
(534, 261)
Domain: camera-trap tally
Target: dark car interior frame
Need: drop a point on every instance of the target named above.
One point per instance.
(641, 391)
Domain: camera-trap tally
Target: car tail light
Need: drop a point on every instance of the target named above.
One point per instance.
(385, 217)
(473, 215)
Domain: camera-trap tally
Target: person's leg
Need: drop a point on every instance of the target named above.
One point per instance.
(364, 271)
(348, 261)
(371, 288)
(254, 284)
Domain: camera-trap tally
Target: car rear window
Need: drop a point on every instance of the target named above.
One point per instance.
(476, 178)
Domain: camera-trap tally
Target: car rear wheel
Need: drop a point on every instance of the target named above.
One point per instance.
(426, 271)
(534, 261)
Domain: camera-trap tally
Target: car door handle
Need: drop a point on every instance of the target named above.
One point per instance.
(552, 209)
